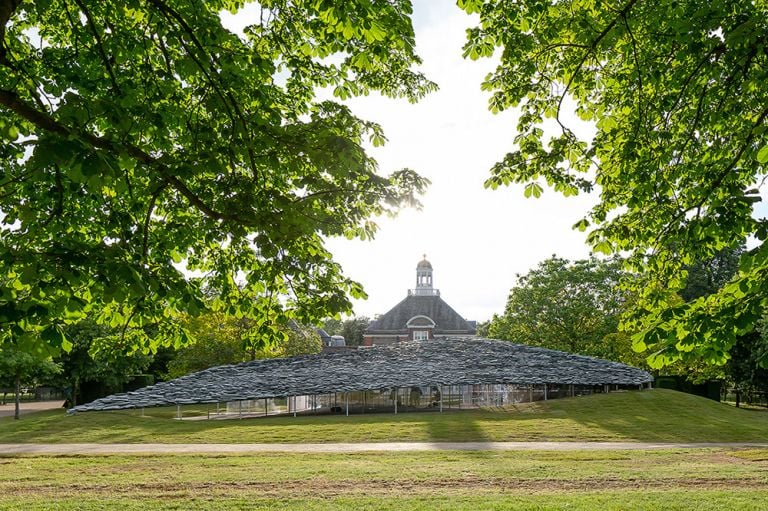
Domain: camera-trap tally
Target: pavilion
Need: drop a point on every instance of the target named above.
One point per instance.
(412, 375)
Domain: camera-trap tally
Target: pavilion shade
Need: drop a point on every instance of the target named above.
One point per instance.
(453, 361)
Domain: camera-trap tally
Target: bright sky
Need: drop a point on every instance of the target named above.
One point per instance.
(476, 239)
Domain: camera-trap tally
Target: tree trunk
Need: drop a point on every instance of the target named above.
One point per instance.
(738, 398)
(75, 390)
(18, 398)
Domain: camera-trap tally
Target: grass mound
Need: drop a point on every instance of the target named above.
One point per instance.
(647, 416)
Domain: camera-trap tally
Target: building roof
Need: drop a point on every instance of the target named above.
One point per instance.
(446, 319)
(424, 264)
(454, 361)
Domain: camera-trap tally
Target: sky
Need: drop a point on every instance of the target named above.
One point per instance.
(476, 239)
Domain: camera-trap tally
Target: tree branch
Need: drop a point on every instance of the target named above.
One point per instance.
(7, 7)
(13, 102)
(148, 218)
(99, 45)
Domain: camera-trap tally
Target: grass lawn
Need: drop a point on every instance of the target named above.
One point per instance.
(669, 479)
(701, 480)
(652, 416)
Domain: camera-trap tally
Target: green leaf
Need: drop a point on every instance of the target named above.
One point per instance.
(581, 225)
(603, 247)
(532, 189)
(762, 155)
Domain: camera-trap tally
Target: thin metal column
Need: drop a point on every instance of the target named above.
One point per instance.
(396, 396)
(346, 399)
(441, 399)
(178, 412)
(545, 392)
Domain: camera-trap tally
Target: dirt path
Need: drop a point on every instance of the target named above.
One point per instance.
(7, 409)
(86, 449)
(326, 488)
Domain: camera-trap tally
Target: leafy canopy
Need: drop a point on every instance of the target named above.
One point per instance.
(569, 306)
(136, 137)
(220, 340)
(676, 91)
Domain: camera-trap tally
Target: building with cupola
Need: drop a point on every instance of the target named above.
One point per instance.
(422, 316)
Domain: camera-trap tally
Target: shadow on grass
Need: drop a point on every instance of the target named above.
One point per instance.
(649, 416)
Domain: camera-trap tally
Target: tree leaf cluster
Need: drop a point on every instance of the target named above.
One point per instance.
(676, 92)
(222, 340)
(352, 329)
(573, 306)
(143, 140)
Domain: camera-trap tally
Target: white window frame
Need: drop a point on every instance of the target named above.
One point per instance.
(421, 335)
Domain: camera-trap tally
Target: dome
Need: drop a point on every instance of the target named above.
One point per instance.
(424, 264)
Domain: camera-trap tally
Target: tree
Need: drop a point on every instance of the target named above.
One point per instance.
(299, 340)
(675, 91)
(353, 330)
(18, 368)
(743, 368)
(569, 306)
(91, 360)
(219, 340)
(709, 276)
(222, 339)
(333, 326)
(139, 136)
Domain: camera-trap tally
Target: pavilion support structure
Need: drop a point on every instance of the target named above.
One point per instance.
(397, 392)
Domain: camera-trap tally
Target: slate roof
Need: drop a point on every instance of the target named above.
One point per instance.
(454, 361)
(446, 319)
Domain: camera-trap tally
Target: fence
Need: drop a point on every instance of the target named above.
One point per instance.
(749, 397)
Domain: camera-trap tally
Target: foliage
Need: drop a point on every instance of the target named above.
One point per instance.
(352, 329)
(17, 364)
(18, 367)
(222, 339)
(299, 340)
(569, 306)
(333, 326)
(705, 277)
(483, 328)
(218, 341)
(139, 138)
(676, 92)
(743, 368)
(86, 363)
